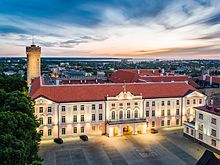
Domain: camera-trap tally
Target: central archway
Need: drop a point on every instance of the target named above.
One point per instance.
(127, 130)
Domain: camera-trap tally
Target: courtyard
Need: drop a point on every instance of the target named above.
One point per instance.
(166, 148)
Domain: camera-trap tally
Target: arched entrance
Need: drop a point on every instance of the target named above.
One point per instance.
(116, 131)
(139, 129)
(127, 130)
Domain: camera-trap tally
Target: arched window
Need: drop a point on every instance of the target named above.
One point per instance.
(121, 115)
(136, 114)
(128, 114)
(113, 115)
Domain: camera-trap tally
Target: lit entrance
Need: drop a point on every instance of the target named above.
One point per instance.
(127, 130)
(139, 129)
(116, 131)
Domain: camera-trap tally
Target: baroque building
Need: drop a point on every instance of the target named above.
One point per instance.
(113, 109)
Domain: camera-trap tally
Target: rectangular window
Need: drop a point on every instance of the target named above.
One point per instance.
(153, 123)
(49, 109)
(201, 116)
(168, 112)
(49, 120)
(177, 102)
(147, 104)
(63, 108)
(200, 101)
(168, 103)
(74, 129)
(75, 118)
(93, 117)
(188, 102)
(41, 121)
(187, 130)
(153, 112)
(162, 113)
(213, 142)
(82, 118)
(100, 106)
(194, 101)
(100, 116)
(147, 113)
(177, 121)
(93, 106)
(82, 107)
(153, 103)
(82, 129)
(41, 109)
(213, 132)
(200, 126)
(63, 119)
(213, 121)
(162, 103)
(200, 136)
(75, 108)
(192, 132)
(63, 131)
(162, 123)
(177, 112)
(168, 122)
(49, 132)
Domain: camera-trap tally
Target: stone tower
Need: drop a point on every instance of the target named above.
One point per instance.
(33, 62)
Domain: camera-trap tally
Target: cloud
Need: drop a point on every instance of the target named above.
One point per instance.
(166, 28)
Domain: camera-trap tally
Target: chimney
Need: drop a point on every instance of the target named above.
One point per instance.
(210, 81)
(57, 82)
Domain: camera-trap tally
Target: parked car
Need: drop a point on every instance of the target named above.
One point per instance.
(153, 131)
(58, 140)
(84, 138)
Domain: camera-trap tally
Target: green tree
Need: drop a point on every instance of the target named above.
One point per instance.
(19, 138)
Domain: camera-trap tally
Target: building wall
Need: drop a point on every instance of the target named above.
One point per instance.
(203, 129)
(205, 126)
(120, 104)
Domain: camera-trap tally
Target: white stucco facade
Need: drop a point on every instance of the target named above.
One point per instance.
(115, 115)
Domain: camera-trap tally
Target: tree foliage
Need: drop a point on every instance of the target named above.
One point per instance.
(19, 138)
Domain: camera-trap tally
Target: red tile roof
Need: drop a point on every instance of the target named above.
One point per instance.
(213, 109)
(122, 76)
(97, 92)
(215, 79)
(129, 76)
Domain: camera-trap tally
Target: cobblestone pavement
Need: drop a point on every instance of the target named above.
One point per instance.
(165, 148)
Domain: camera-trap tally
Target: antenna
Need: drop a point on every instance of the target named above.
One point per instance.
(32, 39)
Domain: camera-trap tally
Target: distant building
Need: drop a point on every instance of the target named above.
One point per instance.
(206, 128)
(147, 76)
(209, 81)
(33, 62)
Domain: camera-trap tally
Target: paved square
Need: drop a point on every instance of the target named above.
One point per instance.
(165, 148)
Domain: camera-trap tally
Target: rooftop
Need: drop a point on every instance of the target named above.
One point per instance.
(213, 109)
(99, 92)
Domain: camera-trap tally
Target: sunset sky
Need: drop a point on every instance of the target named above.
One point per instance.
(165, 29)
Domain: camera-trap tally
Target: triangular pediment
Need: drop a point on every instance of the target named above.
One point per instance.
(43, 100)
(195, 94)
